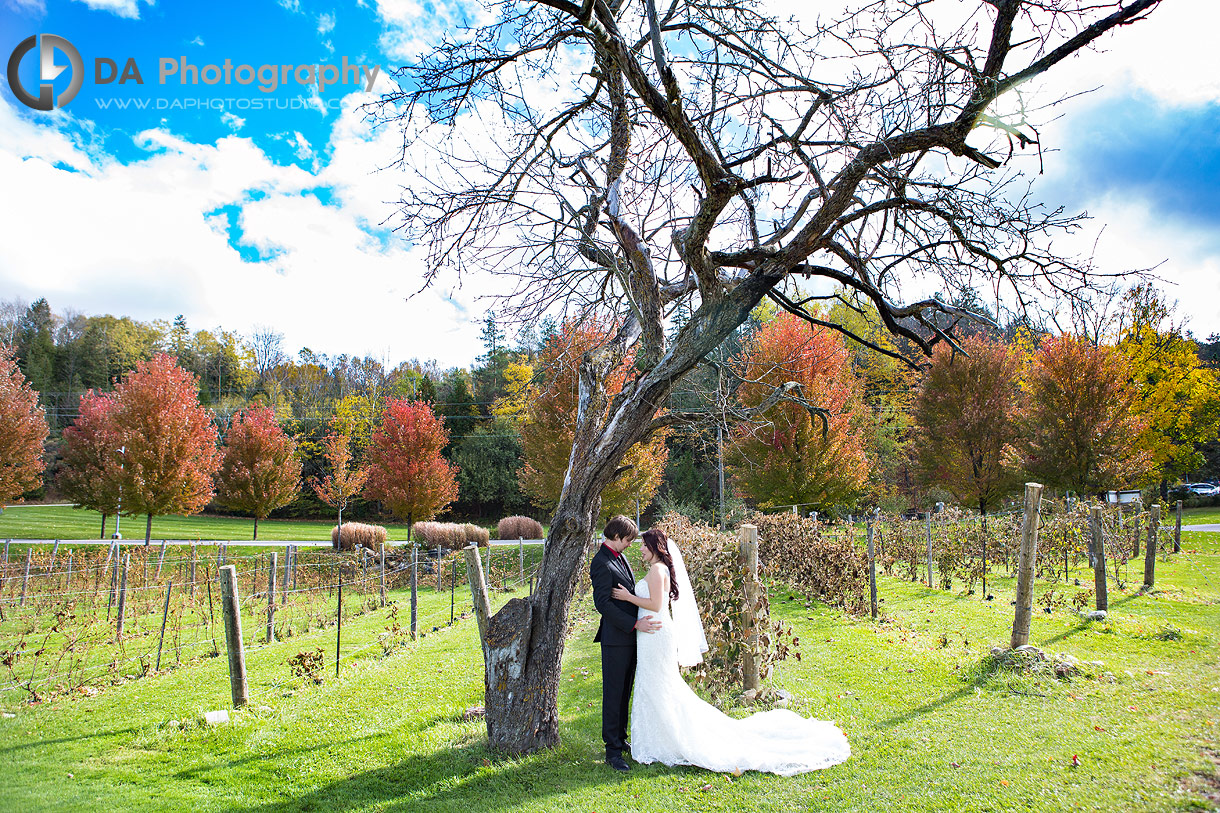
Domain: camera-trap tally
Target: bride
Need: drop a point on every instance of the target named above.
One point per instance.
(671, 724)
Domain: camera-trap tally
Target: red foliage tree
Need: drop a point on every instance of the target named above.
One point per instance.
(406, 470)
(344, 482)
(1081, 430)
(259, 470)
(169, 442)
(549, 428)
(966, 422)
(23, 429)
(786, 458)
(92, 468)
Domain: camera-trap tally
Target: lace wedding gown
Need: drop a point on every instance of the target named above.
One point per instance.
(672, 725)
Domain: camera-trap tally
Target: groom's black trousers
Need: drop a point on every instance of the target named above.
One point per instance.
(618, 675)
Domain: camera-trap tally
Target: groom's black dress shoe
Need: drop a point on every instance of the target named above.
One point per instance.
(618, 763)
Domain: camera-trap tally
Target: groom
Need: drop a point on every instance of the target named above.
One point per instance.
(616, 632)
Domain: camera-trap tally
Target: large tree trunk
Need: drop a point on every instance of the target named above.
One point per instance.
(256, 529)
(525, 639)
(148, 531)
(104, 518)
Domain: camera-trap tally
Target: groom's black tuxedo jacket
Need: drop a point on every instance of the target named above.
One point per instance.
(617, 625)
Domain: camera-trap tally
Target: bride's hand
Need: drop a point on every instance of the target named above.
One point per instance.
(620, 593)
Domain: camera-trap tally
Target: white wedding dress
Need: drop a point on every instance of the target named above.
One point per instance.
(672, 725)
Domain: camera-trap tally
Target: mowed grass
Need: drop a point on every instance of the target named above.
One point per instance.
(933, 725)
(66, 522)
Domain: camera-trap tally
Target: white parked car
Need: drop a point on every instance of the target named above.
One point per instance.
(1204, 489)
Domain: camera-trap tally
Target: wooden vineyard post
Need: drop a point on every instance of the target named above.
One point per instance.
(383, 575)
(747, 547)
(929, 524)
(231, 608)
(1099, 558)
(452, 588)
(414, 590)
(1177, 529)
(54, 554)
(872, 570)
(1150, 549)
(161, 559)
(194, 559)
(1025, 565)
(29, 560)
(521, 556)
(478, 592)
(271, 572)
(164, 618)
(339, 623)
(284, 587)
(118, 628)
(69, 582)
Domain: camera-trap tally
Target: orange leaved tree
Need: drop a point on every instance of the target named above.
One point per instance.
(260, 470)
(1081, 430)
(966, 421)
(406, 470)
(168, 441)
(787, 456)
(92, 462)
(343, 482)
(23, 429)
(550, 425)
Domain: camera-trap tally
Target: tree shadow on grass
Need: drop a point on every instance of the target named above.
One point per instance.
(465, 777)
(115, 732)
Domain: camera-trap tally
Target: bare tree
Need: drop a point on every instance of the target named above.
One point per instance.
(620, 160)
(267, 346)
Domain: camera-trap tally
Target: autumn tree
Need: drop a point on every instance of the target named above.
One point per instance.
(966, 412)
(701, 157)
(406, 470)
(549, 428)
(259, 467)
(344, 481)
(1079, 428)
(1178, 396)
(790, 454)
(91, 474)
(23, 429)
(168, 441)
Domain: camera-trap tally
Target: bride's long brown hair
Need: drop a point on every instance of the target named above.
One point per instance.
(657, 542)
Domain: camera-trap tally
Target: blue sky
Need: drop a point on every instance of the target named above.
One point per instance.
(240, 217)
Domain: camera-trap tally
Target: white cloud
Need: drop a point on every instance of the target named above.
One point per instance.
(303, 148)
(28, 6)
(122, 8)
(291, 5)
(197, 41)
(414, 26)
(326, 23)
(151, 239)
(233, 121)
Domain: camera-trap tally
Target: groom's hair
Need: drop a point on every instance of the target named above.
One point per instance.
(621, 527)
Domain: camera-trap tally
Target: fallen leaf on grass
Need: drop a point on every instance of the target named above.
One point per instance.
(1156, 672)
(955, 764)
(706, 787)
(1075, 761)
(1098, 728)
(1004, 782)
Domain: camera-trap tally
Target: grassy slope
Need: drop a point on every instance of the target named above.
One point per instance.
(929, 729)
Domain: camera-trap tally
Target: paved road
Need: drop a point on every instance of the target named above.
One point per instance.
(1213, 527)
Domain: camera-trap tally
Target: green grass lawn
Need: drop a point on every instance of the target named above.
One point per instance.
(933, 724)
(65, 522)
